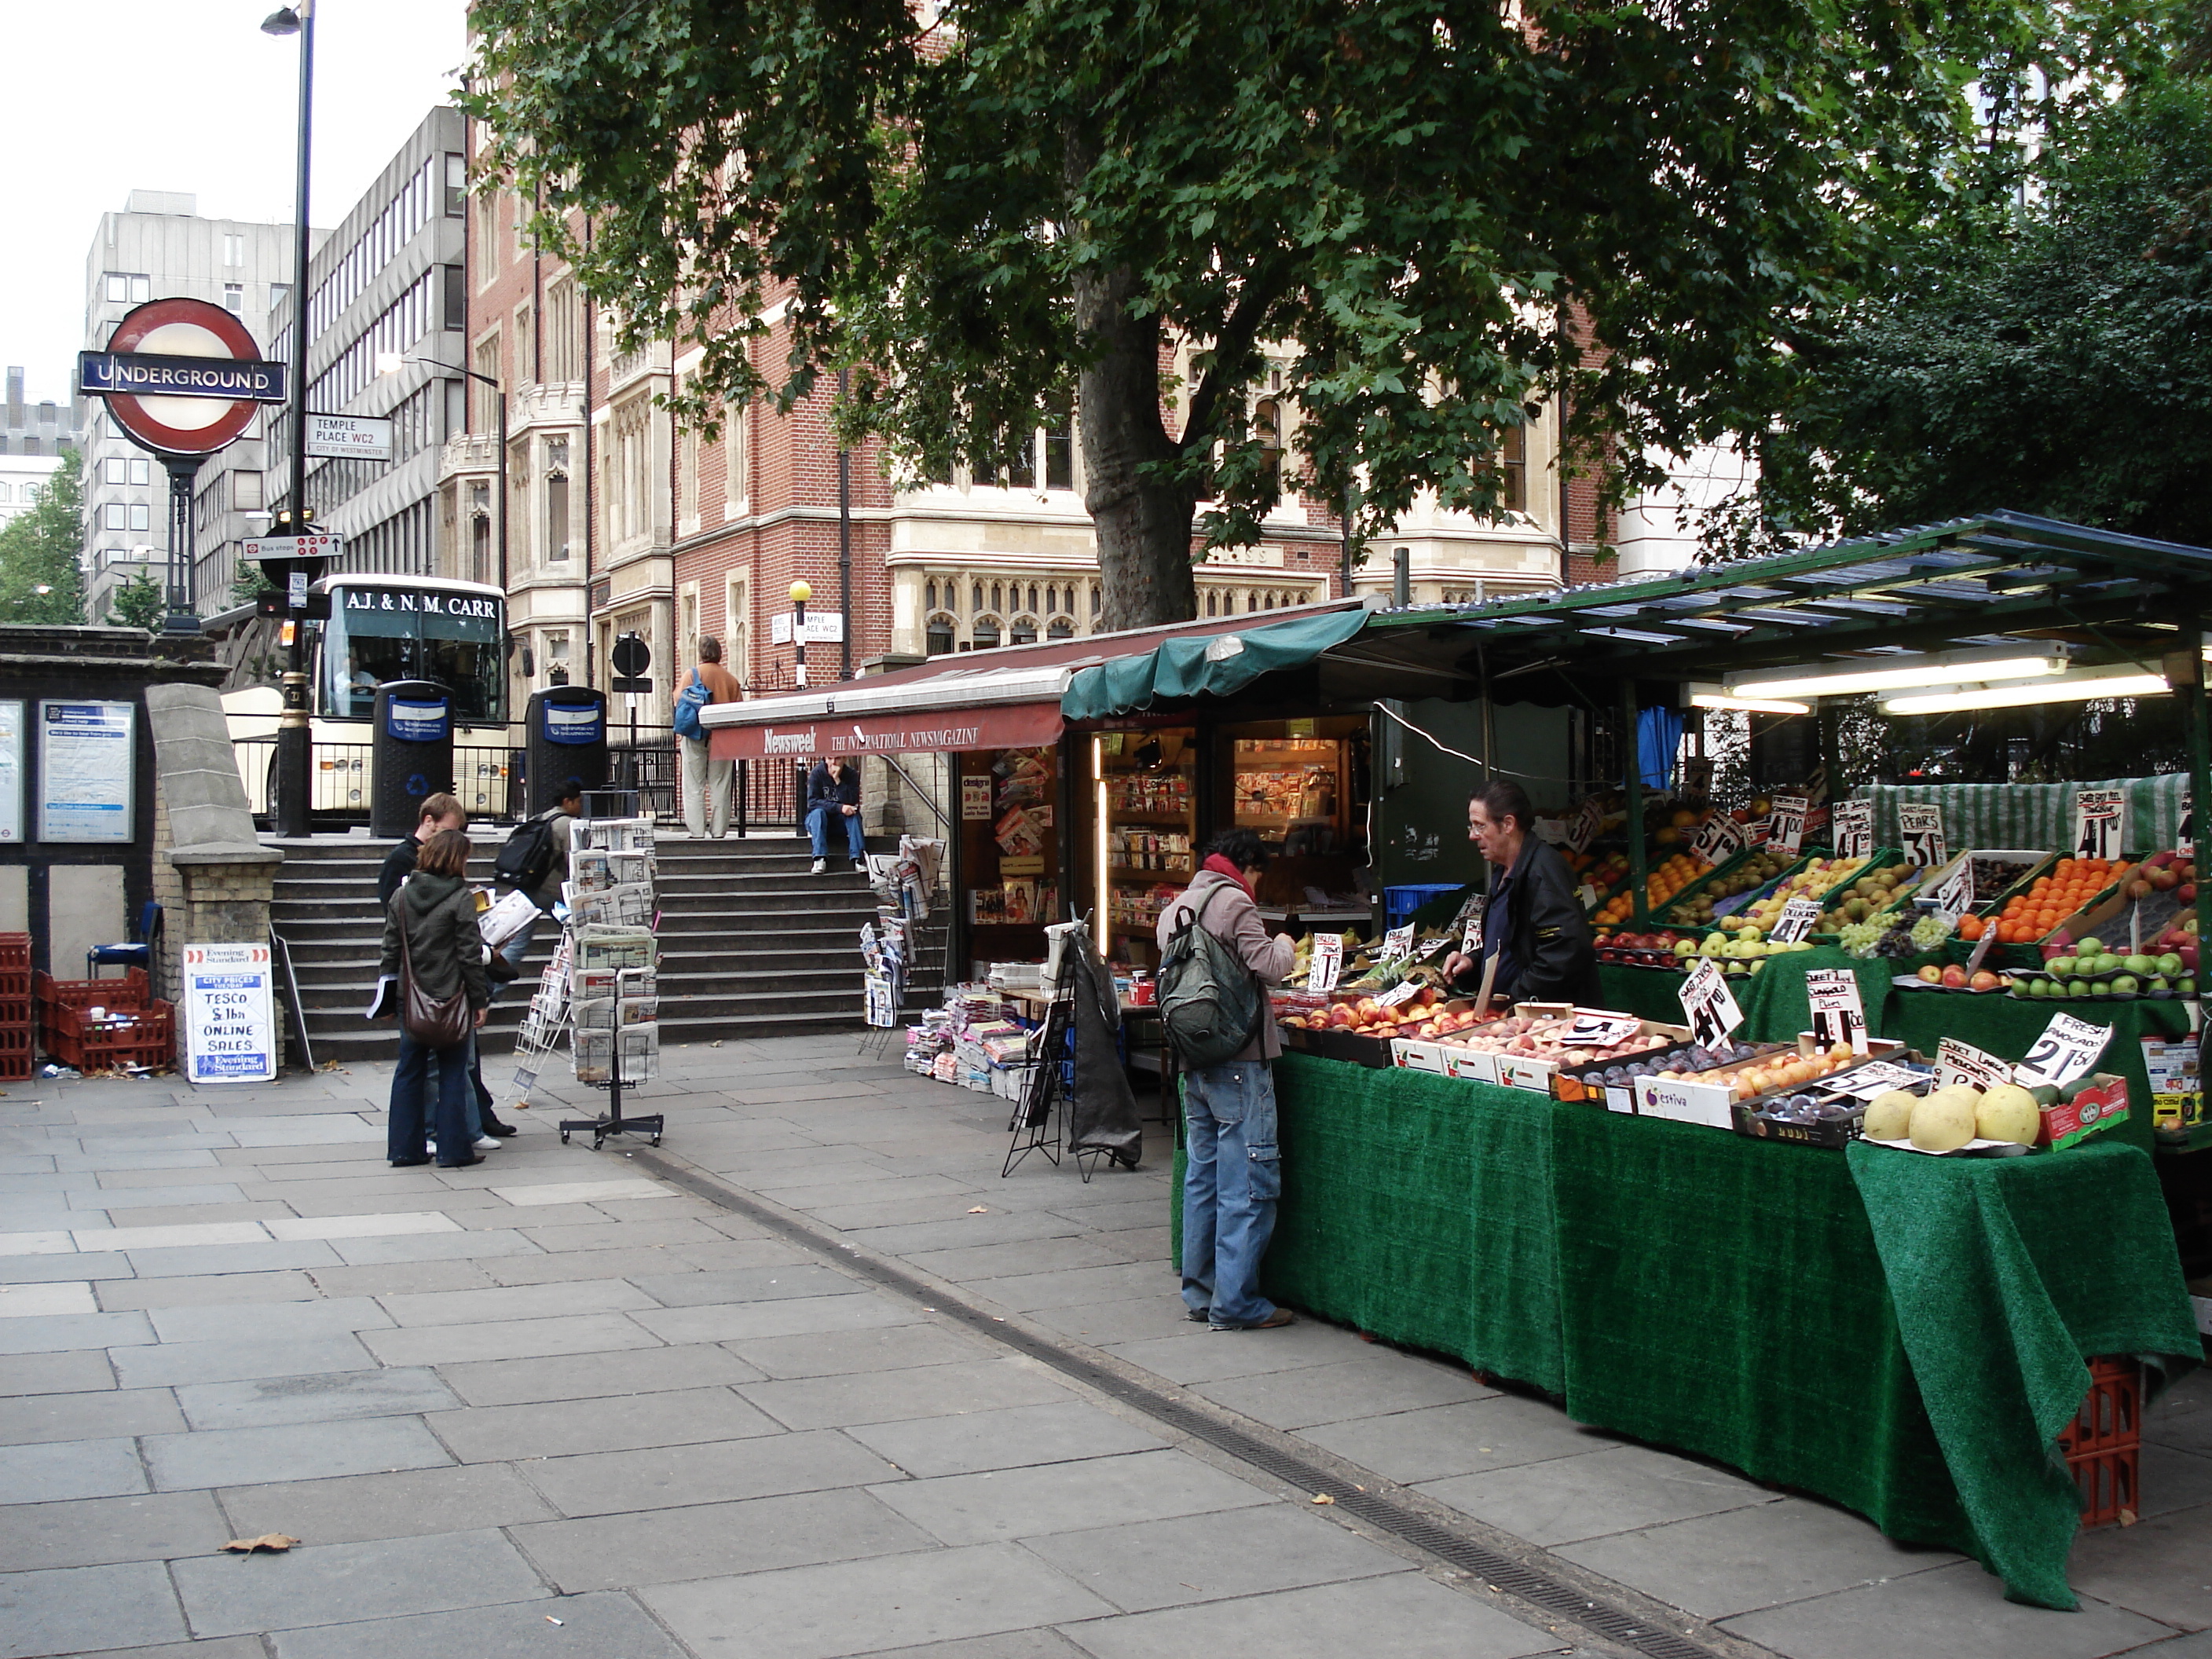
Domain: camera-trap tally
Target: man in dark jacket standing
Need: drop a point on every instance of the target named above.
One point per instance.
(1234, 1172)
(439, 812)
(1534, 926)
(833, 797)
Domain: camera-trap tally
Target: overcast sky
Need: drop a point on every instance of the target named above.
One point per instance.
(189, 95)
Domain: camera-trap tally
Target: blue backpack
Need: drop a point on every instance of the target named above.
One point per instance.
(688, 701)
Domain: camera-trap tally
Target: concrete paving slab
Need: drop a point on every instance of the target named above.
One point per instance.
(1038, 1643)
(1952, 1612)
(658, 1229)
(861, 1310)
(679, 1417)
(56, 1333)
(860, 1606)
(512, 1339)
(100, 1531)
(1011, 1438)
(46, 1241)
(108, 1160)
(470, 1243)
(596, 1375)
(712, 1541)
(405, 1277)
(1188, 1358)
(1719, 1564)
(74, 1610)
(1374, 1385)
(836, 1353)
(1500, 1432)
(458, 1497)
(884, 1186)
(193, 1290)
(343, 1583)
(329, 1397)
(578, 1266)
(2158, 1568)
(720, 1253)
(965, 1231)
(34, 1420)
(600, 1626)
(1614, 1491)
(126, 1198)
(1097, 1491)
(72, 1372)
(2172, 1480)
(92, 1265)
(193, 1260)
(394, 1223)
(989, 1263)
(257, 1321)
(520, 1302)
(63, 1296)
(556, 1191)
(917, 1391)
(1404, 1616)
(1126, 1319)
(1206, 1558)
(65, 1469)
(661, 1477)
(177, 1362)
(259, 1456)
(173, 1236)
(765, 1283)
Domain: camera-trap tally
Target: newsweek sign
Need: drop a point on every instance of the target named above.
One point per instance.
(1013, 726)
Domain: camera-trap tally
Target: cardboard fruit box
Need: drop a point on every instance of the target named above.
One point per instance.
(2097, 1105)
(1713, 1104)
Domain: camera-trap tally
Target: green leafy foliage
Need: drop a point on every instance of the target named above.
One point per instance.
(138, 602)
(1418, 216)
(41, 581)
(247, 580)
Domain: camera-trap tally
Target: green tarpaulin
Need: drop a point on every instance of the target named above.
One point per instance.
(1217, 664)
(2033, 816)
(1740, 1298)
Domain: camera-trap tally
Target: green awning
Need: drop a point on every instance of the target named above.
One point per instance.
(1214, 664)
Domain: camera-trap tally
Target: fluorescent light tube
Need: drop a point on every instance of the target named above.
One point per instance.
(1922, 671)
(1752, 705)
(2127, 682)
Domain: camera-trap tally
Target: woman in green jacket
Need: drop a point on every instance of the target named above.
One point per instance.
(437, 914)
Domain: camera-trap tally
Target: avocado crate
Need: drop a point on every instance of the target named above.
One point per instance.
(2103, 1445)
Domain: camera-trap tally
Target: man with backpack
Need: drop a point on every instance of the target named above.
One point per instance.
(1216, 963)
(535, 861)
(706, 782)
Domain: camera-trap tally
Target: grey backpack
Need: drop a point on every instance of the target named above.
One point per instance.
(1211, 1005)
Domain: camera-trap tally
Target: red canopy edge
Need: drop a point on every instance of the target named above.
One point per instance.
(915, 732)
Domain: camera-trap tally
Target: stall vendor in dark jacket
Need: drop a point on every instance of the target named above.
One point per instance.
(1534, 926)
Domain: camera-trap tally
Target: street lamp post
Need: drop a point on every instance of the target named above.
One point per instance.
(294, 742)
(800, 592)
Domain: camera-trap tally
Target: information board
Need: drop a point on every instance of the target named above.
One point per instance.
(228, 1013)
(85, 766)
(11, 773)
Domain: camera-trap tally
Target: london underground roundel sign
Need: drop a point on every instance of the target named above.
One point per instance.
(182, 377)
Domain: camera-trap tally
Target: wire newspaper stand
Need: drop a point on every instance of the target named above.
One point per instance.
(609, 995)
(892, 945)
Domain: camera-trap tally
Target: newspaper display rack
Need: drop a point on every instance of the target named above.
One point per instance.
(611, 989)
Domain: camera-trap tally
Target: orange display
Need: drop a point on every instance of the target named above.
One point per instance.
(2051, 898)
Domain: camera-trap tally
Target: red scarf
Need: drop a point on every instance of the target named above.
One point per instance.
(1221, 866)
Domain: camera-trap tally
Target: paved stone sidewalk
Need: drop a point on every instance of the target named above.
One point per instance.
(552, 1405)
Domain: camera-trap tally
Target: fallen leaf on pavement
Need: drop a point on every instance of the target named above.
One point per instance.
(273, 1543)
(981, 1209)
(1322, 1497)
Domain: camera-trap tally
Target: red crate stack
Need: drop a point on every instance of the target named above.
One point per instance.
(137, 1031)
(2103, 1445)
(15, 1024)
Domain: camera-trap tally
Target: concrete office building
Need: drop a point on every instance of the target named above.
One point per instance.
(386, 320)
(158, 247)
(33, 439)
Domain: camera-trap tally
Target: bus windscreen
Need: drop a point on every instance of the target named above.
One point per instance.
(380, 634)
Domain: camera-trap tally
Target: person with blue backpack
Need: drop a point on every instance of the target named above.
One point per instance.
(706, 780)
(1216, 963)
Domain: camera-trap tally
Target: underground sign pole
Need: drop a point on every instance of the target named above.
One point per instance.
(182, 380)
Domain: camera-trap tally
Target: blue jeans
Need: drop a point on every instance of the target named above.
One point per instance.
(1231, 1179)
(817, 821)
(409, 1128)
(479, 1096)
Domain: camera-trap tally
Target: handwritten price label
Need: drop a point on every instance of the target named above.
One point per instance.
(1327, 962)
(1600, 1031)
(1956, 896)
(2100, 822)
(1961, 1062)
(1401, 994)
(1786, 828)
(1708, 1004)
(1470, 939)
(1852, 823)
(1582, 828)
(2067, 1049)
(1398, 943)
(1865, 1082)
(1838, 1014)
(1920, 828)
(1796, 920)
(1719, 839)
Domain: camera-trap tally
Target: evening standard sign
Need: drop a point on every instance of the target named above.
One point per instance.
(145, 375)
(230, 1026)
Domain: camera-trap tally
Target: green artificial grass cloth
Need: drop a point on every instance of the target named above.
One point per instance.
(2005, 1273)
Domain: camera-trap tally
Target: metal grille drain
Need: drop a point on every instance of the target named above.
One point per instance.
(1501, 1572)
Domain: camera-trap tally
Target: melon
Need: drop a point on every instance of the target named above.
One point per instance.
(1945, 1120)
(2008, 1112)
(1889, 1115)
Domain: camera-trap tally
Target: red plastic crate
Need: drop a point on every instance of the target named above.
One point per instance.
(132, 991)
(15, 984)
(15, 1011)
(2103, 1445)
(148, 1039)
(15, 950)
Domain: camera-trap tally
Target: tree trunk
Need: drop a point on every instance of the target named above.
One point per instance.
(1142, 524)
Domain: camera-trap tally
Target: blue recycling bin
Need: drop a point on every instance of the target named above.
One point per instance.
(411, 753)
(568, 738)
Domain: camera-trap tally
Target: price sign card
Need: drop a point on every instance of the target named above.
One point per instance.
(1596, 1029)
(2066, 1050)
(1708, 1004)
(1852, 823)
(1327, 962)
(1920, 831)
(1961, 1062)
(1786, 828)
(1865, 1082)
(1470, 938)
(1956, 896)
(1796, 920)
(1398, 943)
(1582, 828)
(1720, 838)
(1759, 831)
(1401, 994)
(2185, 842)
(2100, 822)
(1838, 1014)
